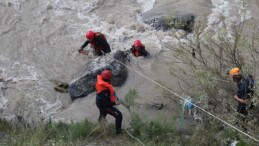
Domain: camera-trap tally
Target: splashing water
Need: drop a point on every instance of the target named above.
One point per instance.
(225, 14)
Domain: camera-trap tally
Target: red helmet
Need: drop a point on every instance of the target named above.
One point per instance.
(89, 35)
(106, 74)
(137, 43)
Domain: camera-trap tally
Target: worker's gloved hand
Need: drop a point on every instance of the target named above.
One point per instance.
(117, 101)
(80, 50)
(84, 52)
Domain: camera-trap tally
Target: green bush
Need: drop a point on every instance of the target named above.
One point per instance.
(156, 132)
(130, 98)
(58, 133)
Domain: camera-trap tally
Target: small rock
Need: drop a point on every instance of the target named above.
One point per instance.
(9, 4)
(159, 106)
(60, 86)
(180, 33)
(49, 7)
(3, 135)
(1, 79)
(61, 89)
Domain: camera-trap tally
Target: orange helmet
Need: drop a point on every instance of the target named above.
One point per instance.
(137, 43)
(106, 74)
(234, 71)
(89, 35)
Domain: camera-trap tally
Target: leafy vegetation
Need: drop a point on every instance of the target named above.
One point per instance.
(206, 58)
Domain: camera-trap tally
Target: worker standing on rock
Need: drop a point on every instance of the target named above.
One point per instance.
(106, 99)
(243, 90)
(98, 43)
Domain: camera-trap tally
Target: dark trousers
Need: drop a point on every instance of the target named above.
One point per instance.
(102, 52)
(242, 109)
(107, 109)
(114, 112)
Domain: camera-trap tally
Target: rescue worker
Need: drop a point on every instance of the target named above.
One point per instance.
(98, 43)
(138, 49)
(242, 90)
(106, 99)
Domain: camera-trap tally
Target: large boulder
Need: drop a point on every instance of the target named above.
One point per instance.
(84, 81)
(179, 14)
(185, 22)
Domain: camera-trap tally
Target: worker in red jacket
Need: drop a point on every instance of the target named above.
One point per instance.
(98, 43)
(106, 99)
(138, 49)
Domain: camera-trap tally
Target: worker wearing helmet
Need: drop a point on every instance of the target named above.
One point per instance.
(98, 43)
(242, 90)
(106, 99)
(138, 49)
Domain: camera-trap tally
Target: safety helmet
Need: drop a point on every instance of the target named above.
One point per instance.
(234, 72)
(89, 35)
(137, 43)
(106, 74)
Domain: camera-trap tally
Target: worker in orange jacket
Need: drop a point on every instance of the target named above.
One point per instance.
(106, 99)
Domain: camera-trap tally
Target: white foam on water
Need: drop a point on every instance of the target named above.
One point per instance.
(41, 91)
(49, 108)
(3, 99)
(63, 7)
(118, 36)
(225, 14)
(147, 4)
(16, 3)
(16, 71)
(112, 32)
(234, 143)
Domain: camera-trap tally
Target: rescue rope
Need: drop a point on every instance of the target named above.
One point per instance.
(128, 107)
(134, 137)
(154, 82)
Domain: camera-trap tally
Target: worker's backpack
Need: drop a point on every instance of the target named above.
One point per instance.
(250, 90)
(251, 85)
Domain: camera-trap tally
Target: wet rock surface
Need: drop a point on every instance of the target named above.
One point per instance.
(84, 81)
(185, 22)
(178, 14)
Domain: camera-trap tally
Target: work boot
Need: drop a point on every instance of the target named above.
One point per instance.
(103, 122)
(251, 106)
